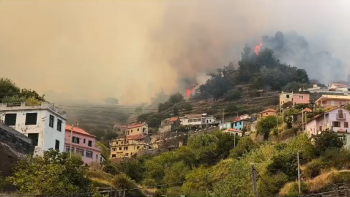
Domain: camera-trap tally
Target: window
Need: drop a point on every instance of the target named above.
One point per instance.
(59, 125)
(138, 147)
(34, 137)
(120, 148)
(126, 154)
(81, 151)
(89, 154)
(301, 97)
(113, 149)
(96, 157)
(31, 118)
(340, 114)
(346, 125)
(84, 141)
(57, 145)
(125, 148)
(138, 129)
(52, 120)
(90, 143)
(10, 119)
(287, 96)
(336, 124)
(67, 148)
(113, 156)
(75, 140)
(320, 128)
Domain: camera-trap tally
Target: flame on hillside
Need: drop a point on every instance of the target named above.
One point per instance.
(190, 91)
(258, 47)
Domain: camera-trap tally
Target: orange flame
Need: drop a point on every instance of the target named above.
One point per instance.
(190, 91)
(258, 47)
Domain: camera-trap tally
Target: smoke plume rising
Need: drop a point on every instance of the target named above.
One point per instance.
(130, 49)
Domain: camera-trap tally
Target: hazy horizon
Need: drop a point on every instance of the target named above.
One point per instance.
(132, 49)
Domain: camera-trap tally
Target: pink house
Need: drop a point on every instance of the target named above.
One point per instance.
(300, 99)
(83, 143)
(336, 119)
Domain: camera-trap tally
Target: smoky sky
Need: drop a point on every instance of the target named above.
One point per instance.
(133, 49)
(294, 49)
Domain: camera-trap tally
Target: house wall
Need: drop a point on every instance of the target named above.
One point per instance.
(301, 99)
(47, 136)
(96, 151)
(265, 114)
(326, 122)
(191, 121)
(128, 149)
(226, 125)
(285, 97)
(332, 102)
(137, 130)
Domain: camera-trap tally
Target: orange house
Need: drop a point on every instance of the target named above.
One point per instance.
(267, 112)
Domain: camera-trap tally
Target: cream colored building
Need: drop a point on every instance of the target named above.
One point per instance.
(137, 129)
(285, 97)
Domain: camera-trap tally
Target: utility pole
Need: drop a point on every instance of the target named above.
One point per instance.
(254, 181)
(234, 140)
(298, 174)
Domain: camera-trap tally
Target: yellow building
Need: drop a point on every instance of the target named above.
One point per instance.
(285, 97)
(127, 146)
(137, 129)
(135, 139)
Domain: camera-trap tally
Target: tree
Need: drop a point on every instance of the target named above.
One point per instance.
(205, 147)
(176, 173)
(109, 135)
(231, 108)
(123, 182)
(225, 143)
(8, 88)
(3, 183)
(328, 140)
(62, 175)
(265, 125)
(187, 107)
(133, 167)
(233, 95)
(245, 145)
(175, 111)
(104, 149)
(176, 98)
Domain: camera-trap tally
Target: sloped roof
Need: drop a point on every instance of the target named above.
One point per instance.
(136, 137)
(307, 110)
(173, 119)
(136, 125)
(194, 115)
(78, 130)
(268, 110)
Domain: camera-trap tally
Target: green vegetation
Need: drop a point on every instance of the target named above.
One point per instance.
(262, 71)
(53, 174)
(11, 93)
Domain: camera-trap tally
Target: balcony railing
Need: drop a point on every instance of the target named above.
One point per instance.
(341, 116)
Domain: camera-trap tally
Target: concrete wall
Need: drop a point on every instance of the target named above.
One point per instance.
(301, 99)
(47, 135)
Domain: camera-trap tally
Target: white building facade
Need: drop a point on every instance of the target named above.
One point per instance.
(44, 124)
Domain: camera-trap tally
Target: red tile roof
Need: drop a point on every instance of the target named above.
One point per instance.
(173, 119)
(78, 130)
(136, 125)
(233, 129)
(268, 110)
(135, 137)
(307, 110)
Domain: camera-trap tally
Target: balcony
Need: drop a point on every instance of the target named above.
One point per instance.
(25, 106)
(341, 116)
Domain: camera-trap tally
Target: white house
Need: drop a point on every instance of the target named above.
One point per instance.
(197, 120)
(44, 123)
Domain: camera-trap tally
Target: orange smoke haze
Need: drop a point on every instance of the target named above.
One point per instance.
(130, 49)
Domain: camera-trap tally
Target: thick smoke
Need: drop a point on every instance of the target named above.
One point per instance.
(293, 49)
